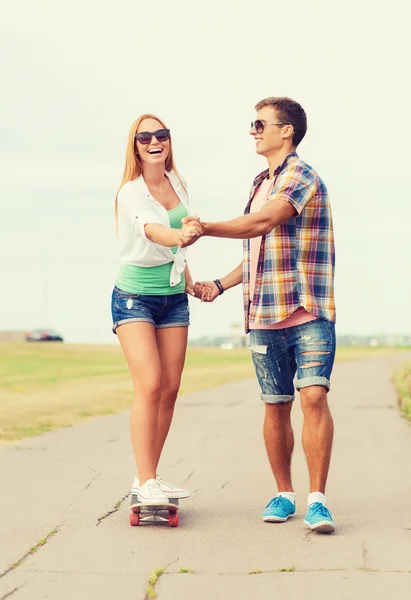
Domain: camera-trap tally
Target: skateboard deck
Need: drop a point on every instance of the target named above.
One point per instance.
(144, 512)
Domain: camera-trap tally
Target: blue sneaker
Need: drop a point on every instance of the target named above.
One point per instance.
(278, 510)
(318, 518)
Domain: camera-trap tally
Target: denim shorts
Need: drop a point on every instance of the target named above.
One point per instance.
(160, 311)
(306, 350)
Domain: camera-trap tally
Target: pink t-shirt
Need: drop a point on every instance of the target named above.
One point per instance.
(298, 317)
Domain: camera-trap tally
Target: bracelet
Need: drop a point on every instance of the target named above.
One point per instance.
(218, 284)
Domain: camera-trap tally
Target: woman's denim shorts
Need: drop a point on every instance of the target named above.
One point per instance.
(160, 311)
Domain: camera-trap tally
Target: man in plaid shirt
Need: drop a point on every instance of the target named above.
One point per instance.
(287, 274)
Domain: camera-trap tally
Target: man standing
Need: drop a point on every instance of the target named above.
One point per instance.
(287, 274)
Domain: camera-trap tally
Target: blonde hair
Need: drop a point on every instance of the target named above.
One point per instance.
(133, 167)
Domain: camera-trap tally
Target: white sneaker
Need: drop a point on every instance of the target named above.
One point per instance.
(171, 491)
(151, 493)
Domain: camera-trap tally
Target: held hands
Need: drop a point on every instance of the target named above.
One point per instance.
(190, 288)
(190, 232)
(206, 291)
(197, 290)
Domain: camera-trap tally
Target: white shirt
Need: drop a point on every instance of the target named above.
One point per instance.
(137, 208)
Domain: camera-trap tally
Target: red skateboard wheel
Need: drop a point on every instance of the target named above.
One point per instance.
(134, 519)
(173, 519)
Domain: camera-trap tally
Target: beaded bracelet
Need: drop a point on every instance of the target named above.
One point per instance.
(220, 287)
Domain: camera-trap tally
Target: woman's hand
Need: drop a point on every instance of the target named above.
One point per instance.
(190, 288)
(190, 231)
(206, 291)
(197, 291)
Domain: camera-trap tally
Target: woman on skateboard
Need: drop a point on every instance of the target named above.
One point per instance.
(149, 301)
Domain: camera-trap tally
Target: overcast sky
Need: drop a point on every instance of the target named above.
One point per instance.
(75, 76)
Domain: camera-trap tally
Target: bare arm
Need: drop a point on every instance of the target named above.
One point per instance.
(189, 281)
(274, 212)
(187, 274)
(208, 291)
(232, 279)
(166, 236)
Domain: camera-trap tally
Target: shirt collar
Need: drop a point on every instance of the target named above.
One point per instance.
(278, 170)
(175, 184)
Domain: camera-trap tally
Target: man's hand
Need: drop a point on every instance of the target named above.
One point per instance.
(191, 220)
(190, 232)
(207, 291)
(198, 291)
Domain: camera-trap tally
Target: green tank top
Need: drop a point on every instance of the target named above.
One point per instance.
(154, 281)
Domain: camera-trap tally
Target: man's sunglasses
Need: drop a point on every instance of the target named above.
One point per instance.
(259, 125)
(145, 137)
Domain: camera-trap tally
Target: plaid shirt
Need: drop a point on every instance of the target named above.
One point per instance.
(297, 258)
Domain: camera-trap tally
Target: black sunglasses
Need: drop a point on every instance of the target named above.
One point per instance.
(145, 137)
(259, 125)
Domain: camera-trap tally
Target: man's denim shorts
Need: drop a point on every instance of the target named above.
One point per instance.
(160, 311)
(307, 350)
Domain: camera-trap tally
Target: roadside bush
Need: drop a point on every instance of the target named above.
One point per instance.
(402, 379)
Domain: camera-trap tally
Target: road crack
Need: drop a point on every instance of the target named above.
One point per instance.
(9, 593)
(32, 550)
(114, 510)
(189, 477)
(366, 566)
(90, 482)
(307, 538)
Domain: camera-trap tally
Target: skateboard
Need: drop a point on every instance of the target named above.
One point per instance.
(154, 513)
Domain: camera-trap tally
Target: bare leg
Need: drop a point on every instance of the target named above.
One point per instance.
(172, 345)
(139, 344)
(279, 442)
(318, 431)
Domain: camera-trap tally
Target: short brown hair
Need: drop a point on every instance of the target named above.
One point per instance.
(289, 111)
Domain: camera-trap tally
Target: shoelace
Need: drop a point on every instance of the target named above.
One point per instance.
(153, 489)
(278, 501)
(320, 509)
(161, 481)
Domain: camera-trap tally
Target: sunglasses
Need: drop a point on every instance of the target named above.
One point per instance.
(259, 125)
(145, 137)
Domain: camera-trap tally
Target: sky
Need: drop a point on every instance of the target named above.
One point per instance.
(75, 75)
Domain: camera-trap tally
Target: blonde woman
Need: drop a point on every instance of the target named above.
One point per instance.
(149, 301)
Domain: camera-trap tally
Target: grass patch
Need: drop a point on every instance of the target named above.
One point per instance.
(154, 577)
(46, 386)
(402, 380)
(32, 550)
(287, 569)
(112, 511)
(256, 572)
(186, 571)
(284, 570)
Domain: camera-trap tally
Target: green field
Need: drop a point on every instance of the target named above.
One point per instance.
(44, 386)
(402, 379)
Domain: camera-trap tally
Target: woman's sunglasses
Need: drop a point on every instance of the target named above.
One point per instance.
(145, 137)
(259, 125)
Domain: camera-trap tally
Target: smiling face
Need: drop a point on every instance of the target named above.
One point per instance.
(154, 152)
(275, 135)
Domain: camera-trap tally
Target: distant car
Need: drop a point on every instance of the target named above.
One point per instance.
(43, 335)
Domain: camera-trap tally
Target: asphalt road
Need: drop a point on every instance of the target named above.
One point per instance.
(65, 532)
